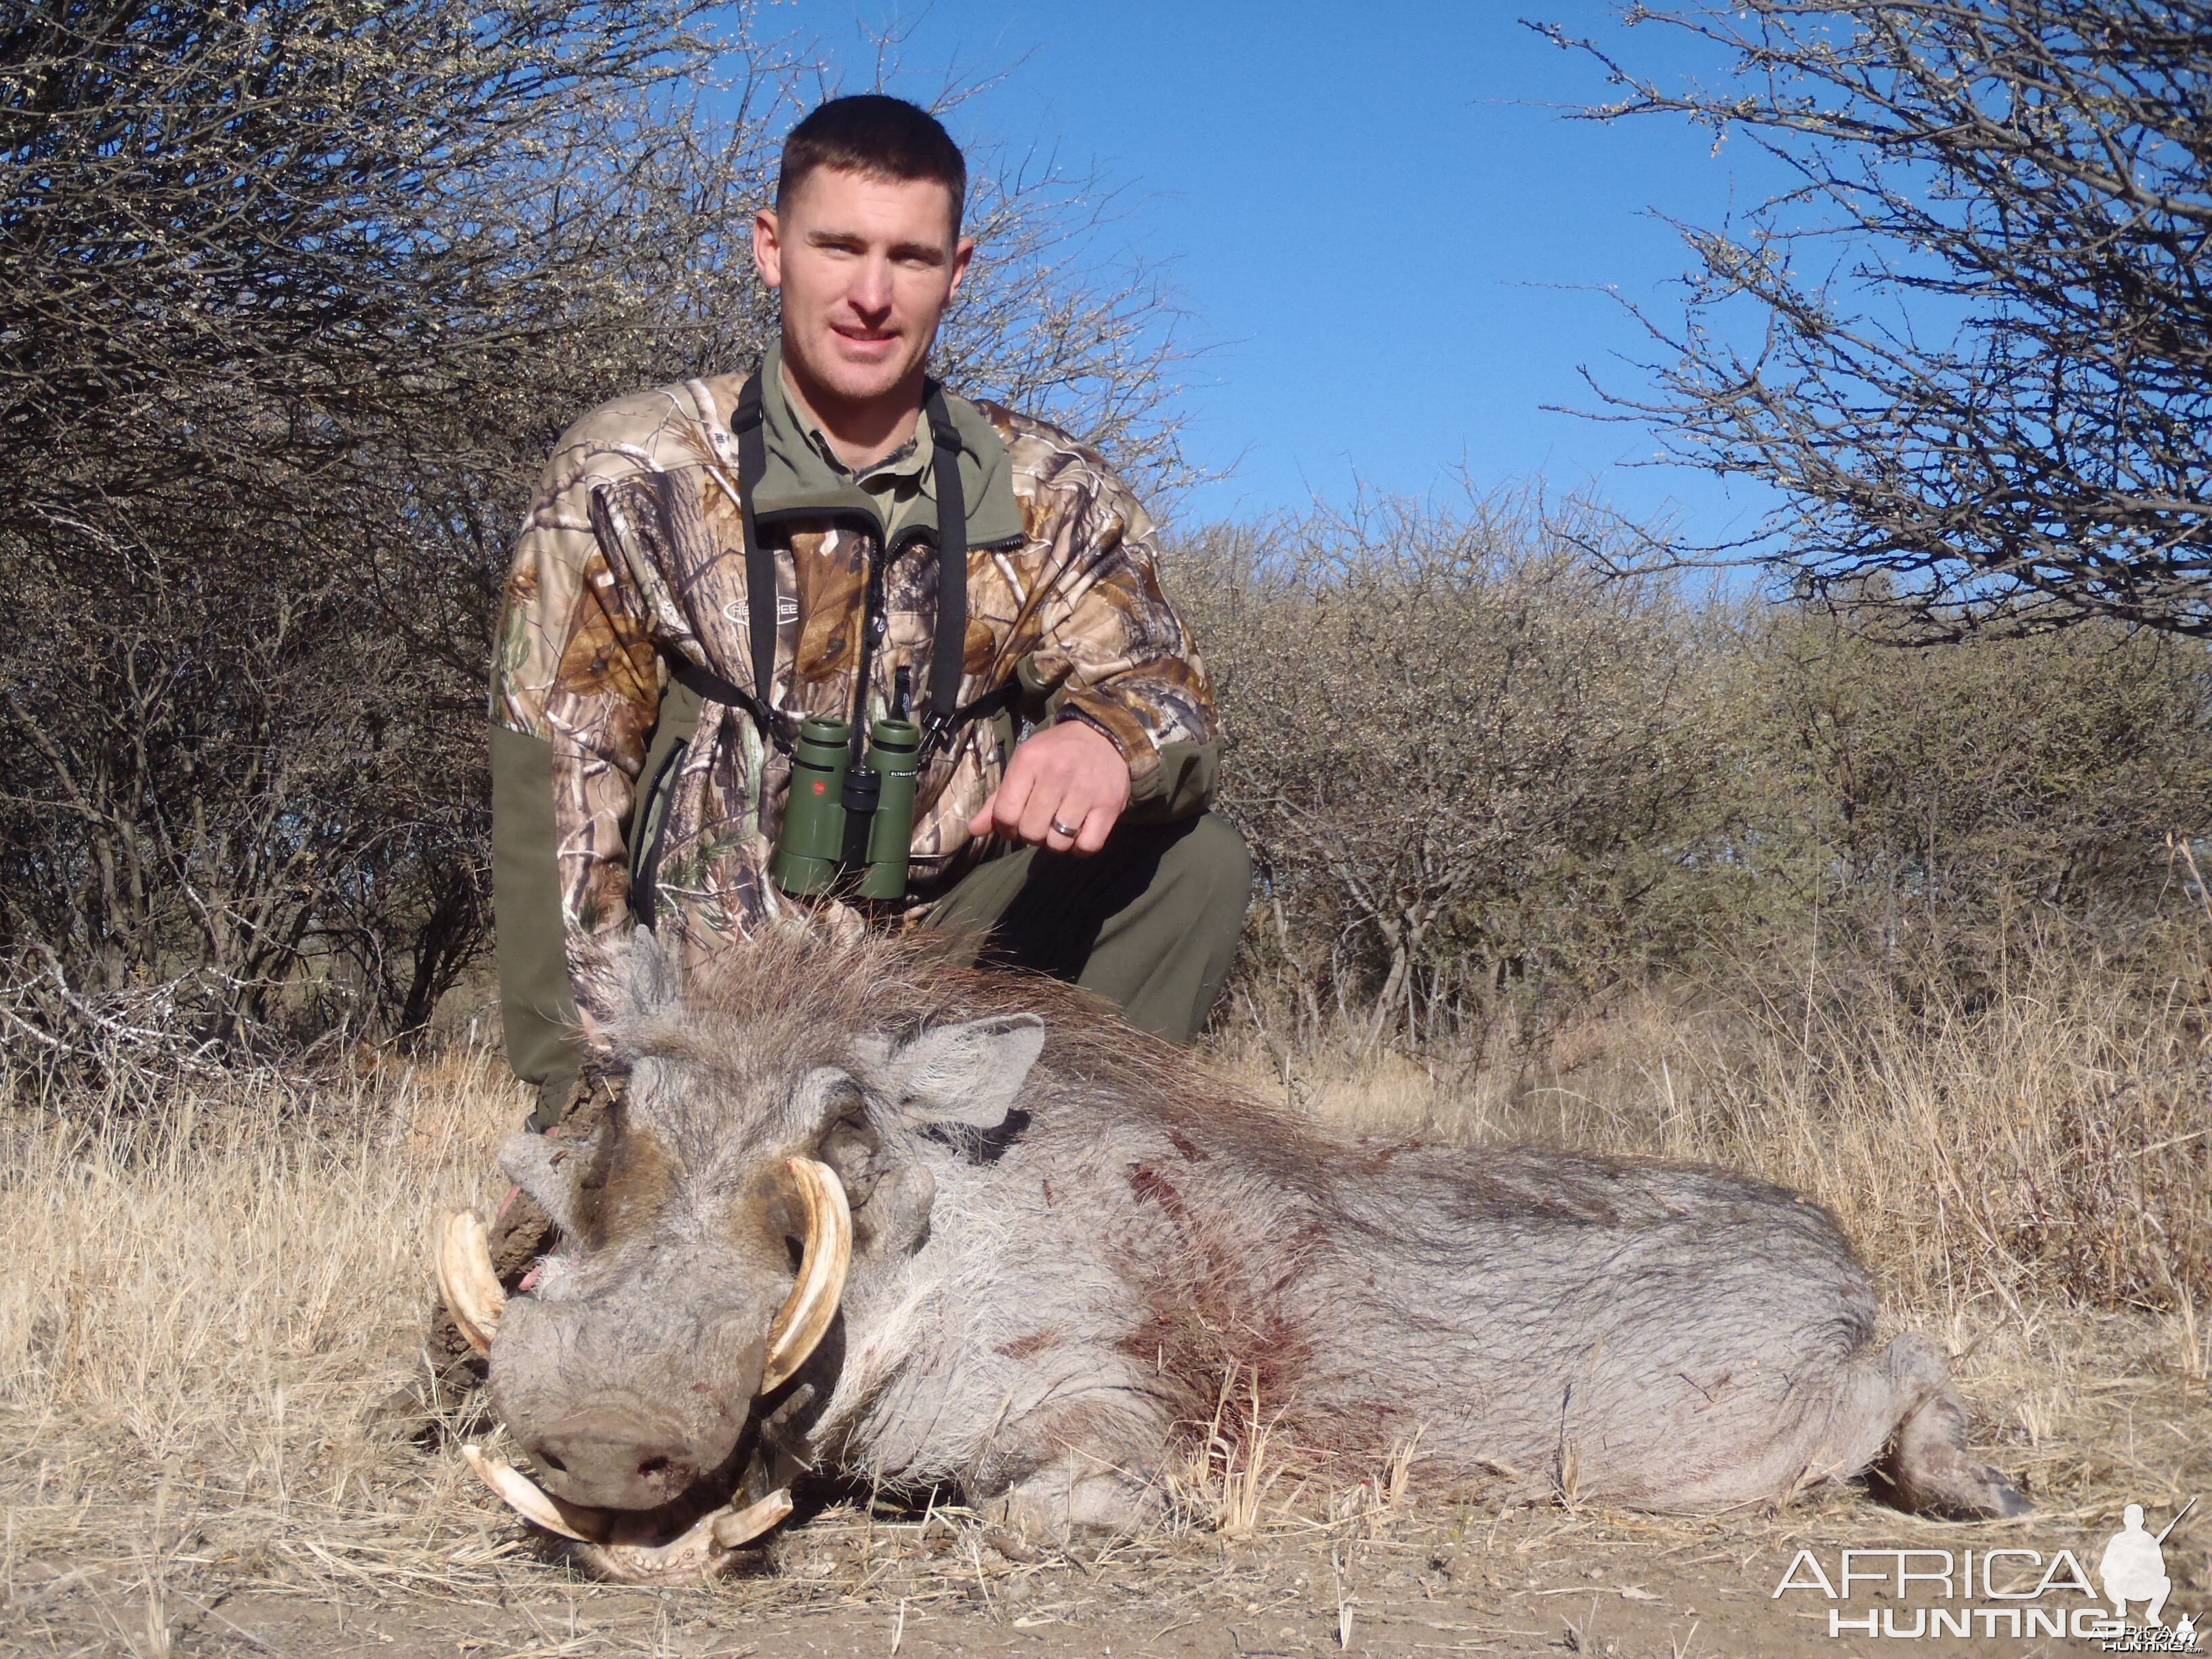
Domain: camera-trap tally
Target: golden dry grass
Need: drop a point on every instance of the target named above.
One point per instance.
(2055, 1142)
(198, 1311)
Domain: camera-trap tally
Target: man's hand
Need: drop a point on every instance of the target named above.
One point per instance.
(1063, 789)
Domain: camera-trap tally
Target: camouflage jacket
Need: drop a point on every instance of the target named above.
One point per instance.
(597, 754)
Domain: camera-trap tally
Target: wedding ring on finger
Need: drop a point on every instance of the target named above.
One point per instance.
(1060, 828)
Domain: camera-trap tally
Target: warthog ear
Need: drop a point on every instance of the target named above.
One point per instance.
(552, 1171)
(622, 977)
(967, 1073)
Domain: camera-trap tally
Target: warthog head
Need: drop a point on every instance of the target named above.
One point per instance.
(710, 1222)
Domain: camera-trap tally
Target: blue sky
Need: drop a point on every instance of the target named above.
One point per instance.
(1377, 215)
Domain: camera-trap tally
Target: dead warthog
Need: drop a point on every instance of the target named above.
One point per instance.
(864, 1214)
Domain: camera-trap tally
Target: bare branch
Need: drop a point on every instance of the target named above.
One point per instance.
(1972, 344)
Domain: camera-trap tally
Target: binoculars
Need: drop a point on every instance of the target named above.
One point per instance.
(849, 823)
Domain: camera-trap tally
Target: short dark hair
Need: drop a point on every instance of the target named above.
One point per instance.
(880, 136)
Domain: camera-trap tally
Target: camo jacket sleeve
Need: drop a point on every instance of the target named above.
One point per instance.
(576, 668)
(1105, 644)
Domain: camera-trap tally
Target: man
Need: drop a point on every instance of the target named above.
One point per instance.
(647, 684)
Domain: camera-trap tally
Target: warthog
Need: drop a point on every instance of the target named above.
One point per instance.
(864, 1213)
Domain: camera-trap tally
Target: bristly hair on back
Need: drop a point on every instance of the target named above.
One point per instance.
(790, 998)
(879, 138)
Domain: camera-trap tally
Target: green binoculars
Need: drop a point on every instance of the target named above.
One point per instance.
(844, 820)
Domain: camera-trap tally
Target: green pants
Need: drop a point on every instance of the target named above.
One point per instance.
(1150, 922)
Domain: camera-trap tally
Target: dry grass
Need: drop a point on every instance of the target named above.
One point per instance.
(196, 1310)
(2054, 1144)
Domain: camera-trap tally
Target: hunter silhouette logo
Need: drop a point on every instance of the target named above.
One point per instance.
(2133, 1568)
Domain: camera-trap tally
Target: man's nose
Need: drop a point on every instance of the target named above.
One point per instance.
(871, 291)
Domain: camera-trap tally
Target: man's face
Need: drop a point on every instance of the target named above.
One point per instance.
(867, 267)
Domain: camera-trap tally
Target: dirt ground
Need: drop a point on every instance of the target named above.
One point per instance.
(1527, 1581)
(104, 1560)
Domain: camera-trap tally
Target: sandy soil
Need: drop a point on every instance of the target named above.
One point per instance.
(1525, 1582)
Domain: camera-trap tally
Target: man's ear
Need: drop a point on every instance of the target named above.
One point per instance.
(967, 1073)
(963, 253)
(767, 247)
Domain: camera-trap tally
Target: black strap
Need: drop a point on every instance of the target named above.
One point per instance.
(645, 890)
(935, 736)
(760, 560)
(946, 660)
(711, 687)
(760, 589)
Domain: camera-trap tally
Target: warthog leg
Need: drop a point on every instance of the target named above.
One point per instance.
(1053, 1506)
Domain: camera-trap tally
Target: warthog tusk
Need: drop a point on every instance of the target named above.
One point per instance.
(828, 1252)
(736, 1527)
(534, 1504)
(704, 1548)
(466, 1280)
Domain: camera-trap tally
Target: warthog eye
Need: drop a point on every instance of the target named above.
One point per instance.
(552, 1462)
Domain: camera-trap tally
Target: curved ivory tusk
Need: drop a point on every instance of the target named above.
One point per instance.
(704, 1548)
(736, 1527)
(534, 1504)
(465, 1278)
(828, 1252)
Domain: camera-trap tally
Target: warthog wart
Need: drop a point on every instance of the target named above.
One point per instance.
(862, 1213)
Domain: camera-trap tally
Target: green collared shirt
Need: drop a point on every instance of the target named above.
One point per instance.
(804, 474)
(900, 486)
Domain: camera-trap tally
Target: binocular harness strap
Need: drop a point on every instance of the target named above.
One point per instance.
(945, 715)
(711, 687)
(760, 560)
(950, 646)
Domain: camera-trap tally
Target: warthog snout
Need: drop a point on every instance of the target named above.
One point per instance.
(629, 1373)
(605, 1439)
(617, 1454)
